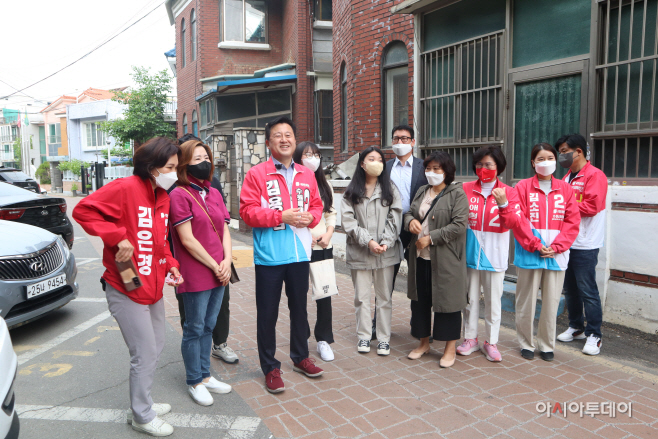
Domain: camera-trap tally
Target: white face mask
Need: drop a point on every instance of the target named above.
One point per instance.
(165, 181)
(545, 168)
(434, 179)
(402, 149)
(313, 163)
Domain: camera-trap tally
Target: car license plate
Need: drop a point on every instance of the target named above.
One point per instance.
(44, 286)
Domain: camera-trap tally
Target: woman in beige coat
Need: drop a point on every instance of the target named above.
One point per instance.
(308, 154)
(371, 215)
(437, 275)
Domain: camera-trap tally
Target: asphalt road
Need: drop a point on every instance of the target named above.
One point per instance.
(73, 373)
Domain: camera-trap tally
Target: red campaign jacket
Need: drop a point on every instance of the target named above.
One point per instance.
(551, 220)
(590, 189)
(487, 236)
(128, 209)
(263, 198)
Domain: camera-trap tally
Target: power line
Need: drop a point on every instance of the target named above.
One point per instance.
(85, 55)
(20, 91)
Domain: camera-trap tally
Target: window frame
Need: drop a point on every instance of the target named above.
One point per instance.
(98, 131)
(222, 24)
(193, 35)
(184, 123)
(320, 96)
(385, 132)
(182, 39)
(344, 128)
(195, 123)
(257, 115)
(317, 11)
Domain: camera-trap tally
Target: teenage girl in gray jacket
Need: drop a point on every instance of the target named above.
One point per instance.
(371, 216)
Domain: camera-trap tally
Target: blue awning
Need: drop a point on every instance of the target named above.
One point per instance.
(171, 53)
(249, 81)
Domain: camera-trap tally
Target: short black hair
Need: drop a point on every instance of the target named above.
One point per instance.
(495, 152)
(542, 147)
(155, 153)
(186, 137)
(446, 163)
(575, 141)
(403, 128)
(277, 121)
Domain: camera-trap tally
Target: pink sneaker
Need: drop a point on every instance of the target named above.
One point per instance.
(491, 352)
(468, 346)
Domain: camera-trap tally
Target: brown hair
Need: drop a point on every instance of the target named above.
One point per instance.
(185, 157)
(155, 153)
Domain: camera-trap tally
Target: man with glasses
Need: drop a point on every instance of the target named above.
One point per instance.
(281, 202)
(408, 174)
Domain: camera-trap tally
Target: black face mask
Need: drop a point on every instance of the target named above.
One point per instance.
(200, 170)
(566, 159)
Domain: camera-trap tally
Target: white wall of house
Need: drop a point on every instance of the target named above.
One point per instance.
(78, 115)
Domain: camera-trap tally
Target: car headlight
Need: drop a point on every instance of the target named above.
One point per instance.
(65, 247)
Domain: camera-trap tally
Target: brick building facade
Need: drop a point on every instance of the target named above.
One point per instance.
(370, 91)
(238, 61)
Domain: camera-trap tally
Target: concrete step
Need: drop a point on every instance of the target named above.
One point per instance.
(508, 300)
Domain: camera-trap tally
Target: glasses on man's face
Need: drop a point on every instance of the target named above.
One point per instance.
(310, 155)
(403, 139)
(279, 136)
(488, 165)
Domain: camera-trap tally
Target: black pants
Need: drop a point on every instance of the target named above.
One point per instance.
(269, 281)
(220, 333)
(323, 330)
(447, 326)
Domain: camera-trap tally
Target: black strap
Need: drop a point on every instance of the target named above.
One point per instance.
(432, 205)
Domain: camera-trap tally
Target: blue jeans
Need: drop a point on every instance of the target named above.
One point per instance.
(201, 310)
(581, 292)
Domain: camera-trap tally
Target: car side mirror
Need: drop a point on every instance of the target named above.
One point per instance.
(44, 192)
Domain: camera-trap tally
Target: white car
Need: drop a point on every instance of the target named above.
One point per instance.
(9, 424)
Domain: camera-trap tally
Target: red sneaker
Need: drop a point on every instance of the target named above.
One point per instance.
(274, 382)
(308, 368)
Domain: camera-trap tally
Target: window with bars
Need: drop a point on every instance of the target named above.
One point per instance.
(462, 99)
(324, 117)
(626, 144)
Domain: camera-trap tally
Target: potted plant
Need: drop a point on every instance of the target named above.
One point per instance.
(74, 189)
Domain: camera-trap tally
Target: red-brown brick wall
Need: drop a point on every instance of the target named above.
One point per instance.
(288, 35)
(362, 30)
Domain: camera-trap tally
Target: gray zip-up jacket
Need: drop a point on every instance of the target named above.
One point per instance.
(369, 220)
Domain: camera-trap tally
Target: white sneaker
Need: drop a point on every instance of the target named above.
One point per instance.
(571, 334)
(592, 345)
(325, 351)
(157, 427)
(200, 395)
(216, 386)
(159, 409)
(224, 353)
(383, 348)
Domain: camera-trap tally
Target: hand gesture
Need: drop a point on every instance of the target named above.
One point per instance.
(547, 252)
(423, 242)
(415, 227)
(305, 219)
(178, 279)
(224, 270)
(291, 216)
(384, 248)
(500, 196)
(125, 252)
(374, 247)
(323, 240)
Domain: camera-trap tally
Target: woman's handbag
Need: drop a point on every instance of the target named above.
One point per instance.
(323, 279)
(234, 273)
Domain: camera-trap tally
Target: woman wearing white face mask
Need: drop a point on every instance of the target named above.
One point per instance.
(437, 268)
(308, 154)
(542, 241)
(371, 215)
(130, 215)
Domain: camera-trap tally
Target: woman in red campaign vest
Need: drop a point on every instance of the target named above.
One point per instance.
(131, 216)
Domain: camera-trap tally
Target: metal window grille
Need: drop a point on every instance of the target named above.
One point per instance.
(628, 158)
(461, 98)
(463, 158)
(628, 69)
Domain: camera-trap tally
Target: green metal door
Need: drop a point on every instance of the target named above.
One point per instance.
(42, 143)
(545, 104)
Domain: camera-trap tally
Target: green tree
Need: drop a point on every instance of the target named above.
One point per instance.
(18, 153)
(144, 116)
